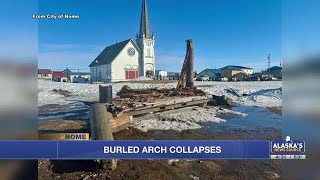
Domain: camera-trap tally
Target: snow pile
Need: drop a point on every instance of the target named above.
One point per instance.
(142, 78)
(78, 91)
(182, 119)
(263, 98)
(262, 94)
(155, 124)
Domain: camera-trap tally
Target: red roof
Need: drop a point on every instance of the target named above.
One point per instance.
(58, 74)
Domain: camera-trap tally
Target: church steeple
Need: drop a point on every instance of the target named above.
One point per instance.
(144, 22)
(145, 42)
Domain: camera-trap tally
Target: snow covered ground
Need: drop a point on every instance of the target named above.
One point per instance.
(182, 119)
(261, 94)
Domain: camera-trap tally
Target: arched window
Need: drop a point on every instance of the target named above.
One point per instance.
(128, 66)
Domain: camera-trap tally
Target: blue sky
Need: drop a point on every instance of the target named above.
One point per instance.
(18, 31)
(301, 28)
(225, 32)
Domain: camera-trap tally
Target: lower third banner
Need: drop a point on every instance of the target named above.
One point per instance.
(156, 149)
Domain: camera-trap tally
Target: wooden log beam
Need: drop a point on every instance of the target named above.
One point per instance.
(190, 64)
(105, 94)
(100, 127)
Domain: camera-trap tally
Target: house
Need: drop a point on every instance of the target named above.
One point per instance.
(240, 76)
(68, 72)
(214, 74)
(79, 77)
(276, 71)
(173, 76)
(161, 74)
(59, 76)
(194, 74)
(45, 74)
(128, 59)
(230, 71)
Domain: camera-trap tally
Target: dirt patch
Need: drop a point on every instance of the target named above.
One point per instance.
(51, 108)
(277, 110)
(63, 126)
(65, 93)
(162, 169)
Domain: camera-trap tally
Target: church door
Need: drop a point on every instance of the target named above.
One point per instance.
(132, 74)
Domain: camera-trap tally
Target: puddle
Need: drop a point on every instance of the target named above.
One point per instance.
(259, 123)
(256, 118)
(68, 112)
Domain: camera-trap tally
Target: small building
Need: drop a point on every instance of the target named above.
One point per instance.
(68, 72)
(173, 76)
(79, 77)
(162, 75)
(59, 76)
(214, 74)
(45, 74)
(230, 71)
(240, 76)
(276, 71)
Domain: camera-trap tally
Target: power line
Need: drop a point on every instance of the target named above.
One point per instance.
(75, 69)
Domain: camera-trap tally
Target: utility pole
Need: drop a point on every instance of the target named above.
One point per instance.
(67, 74)
(269, 67)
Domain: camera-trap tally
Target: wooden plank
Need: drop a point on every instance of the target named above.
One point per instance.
(165, 107)
(119, 123)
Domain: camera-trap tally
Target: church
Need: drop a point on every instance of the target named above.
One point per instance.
(128, 59)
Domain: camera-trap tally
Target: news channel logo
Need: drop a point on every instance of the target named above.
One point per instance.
(288, 146)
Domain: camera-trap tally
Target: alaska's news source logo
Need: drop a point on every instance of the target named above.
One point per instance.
(287, 146)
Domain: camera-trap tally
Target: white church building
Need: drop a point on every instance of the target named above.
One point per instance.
(128, 59)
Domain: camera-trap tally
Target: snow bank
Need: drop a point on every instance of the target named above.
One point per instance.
(262, 94)
(182, 119)
(142, 78)
(263, 98)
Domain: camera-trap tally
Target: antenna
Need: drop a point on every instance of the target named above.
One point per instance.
(269, 67)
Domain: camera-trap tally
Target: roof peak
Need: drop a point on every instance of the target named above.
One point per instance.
(239, 67)
(111, 52)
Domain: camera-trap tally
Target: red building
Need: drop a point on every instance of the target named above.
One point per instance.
(59, 76)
